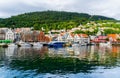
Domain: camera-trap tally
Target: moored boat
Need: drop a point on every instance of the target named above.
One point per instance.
(12, 45)
(56, 44)
(24, 44)
(37, 45)
(108, 44)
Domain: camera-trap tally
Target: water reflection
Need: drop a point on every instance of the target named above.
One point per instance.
(76, 61)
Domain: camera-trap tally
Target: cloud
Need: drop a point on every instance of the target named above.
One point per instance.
(108, 8)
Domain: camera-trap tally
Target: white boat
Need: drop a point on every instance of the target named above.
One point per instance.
(24, 44)
(75, 45)
(37, 44)
(108, 44)
(83, 44)
(12, 45)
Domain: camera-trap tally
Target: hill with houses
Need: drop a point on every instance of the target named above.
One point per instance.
(49, 26)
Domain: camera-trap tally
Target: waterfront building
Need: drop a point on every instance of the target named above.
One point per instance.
(70, 37)
(100, 38)
(113, 37)
(9, 35)
(2, 34)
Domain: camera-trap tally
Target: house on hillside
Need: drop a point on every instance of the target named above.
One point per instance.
(69, 37)
(76, 38)
(84, 39)
(113, 37)
(59, 37)
(92, 37)
(100, 38)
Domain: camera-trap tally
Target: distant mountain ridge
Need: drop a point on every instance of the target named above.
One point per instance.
(48, 18)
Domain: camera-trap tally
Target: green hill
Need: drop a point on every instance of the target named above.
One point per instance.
(50, 20)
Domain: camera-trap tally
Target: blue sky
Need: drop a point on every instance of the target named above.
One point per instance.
(108, 8)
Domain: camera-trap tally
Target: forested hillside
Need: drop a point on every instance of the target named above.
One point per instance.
(50, 20)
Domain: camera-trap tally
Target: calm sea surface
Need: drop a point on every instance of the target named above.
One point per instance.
(69, 62)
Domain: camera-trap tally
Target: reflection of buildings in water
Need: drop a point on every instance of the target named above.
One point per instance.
(97, 53)
(107, 53)
(2, 53)
(76, 50)
(92, 49)
(58, 51)
(93, 53)
(115, 51)
(51, 51)
(83, 52)
(9, 52)
(79, 51)
(23, 51)
(31, 52)
(43, 51)
(61, 51)
(103, 53)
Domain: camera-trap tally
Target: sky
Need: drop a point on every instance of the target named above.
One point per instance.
(109, 8)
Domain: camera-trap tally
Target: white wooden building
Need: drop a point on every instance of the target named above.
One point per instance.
(9, 35)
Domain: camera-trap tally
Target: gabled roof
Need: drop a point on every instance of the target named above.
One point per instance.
(83, 35)
(114, 36)
(18, 30)
(72, 35)
(102, 37)
(62, 34)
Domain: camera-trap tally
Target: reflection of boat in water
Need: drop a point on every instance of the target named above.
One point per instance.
(10, 51)
(75, 45)
(56, 44)
(70, 50)
(108, 44)
(3, 45)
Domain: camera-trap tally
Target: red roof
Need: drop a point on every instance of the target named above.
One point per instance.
(99, 40)
(102, 37)
(83, 35)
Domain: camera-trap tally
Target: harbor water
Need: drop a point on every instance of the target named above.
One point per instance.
(69, 62)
